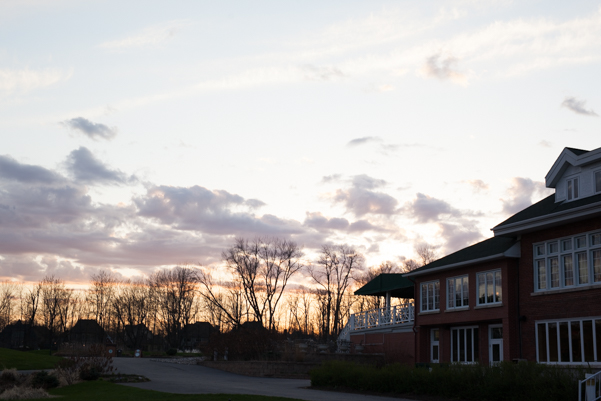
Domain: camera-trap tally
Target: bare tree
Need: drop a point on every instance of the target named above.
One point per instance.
(426, 253)
(101, 295)
(263, 268)
(8, 292)
(332, 273)
(175, 290)
(53, 294)
(368, 302)
(132, 307)
(31, 304)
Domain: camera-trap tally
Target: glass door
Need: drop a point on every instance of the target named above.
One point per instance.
(495, 343)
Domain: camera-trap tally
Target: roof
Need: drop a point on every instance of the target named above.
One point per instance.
(577, 152)
(490, 249)
(570, 157)
(399, 286)
(548, 208)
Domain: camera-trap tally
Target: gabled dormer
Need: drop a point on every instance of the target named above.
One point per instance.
(576, 174)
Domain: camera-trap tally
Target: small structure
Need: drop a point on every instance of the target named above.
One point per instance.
(196, 334)
(21, 335)
(86, 331)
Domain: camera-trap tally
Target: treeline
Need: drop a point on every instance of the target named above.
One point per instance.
(253, 284)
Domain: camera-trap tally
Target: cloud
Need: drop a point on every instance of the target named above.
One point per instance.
(314, 73)
(477, 185)
(90, 129)
(360, 226)
(320, 222)
(87, 169)
(361, 202)
(578, 106)
(458, 236)
(545, 144)
(443, 69)
(19, 81)
(363, 140)
(519, 195)
(11, 169)
(148, 37)
(331, 178)
(426, 209)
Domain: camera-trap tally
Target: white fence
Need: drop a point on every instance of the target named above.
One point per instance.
(376, 318)
(589, 389)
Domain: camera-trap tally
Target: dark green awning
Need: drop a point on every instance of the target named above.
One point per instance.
(399, 286)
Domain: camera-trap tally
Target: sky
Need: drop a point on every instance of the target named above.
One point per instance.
(137, 136)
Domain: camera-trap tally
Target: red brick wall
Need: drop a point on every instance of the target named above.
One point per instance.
(396, 347)
(582, 303)
(481, 317)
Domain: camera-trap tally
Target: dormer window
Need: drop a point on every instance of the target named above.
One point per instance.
(573, 188)
(597, 181)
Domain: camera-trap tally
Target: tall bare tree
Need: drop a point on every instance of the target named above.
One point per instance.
(101, 296)
(175, 290)
(263, 268)
(53, 294)
(332, 272)
(8, 292)
(132, 307)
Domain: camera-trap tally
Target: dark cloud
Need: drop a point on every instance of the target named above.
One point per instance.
(330, 178)
(519, 195)
(214, 212)
(315, 73)
(90, 129)
(320, 222)
(427, 209)
(88, 169)
(363, 141)
(11, 169)
(578, 106)
(443, 69)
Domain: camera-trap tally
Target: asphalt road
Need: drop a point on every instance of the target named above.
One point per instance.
(195, 379)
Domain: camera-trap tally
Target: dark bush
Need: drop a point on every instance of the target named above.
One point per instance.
(171, 351)
(44, 380)
(507, 381)
(90, 372)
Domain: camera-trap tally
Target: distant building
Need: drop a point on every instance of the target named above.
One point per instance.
(21, 335)
(86, 331)
(196, 334)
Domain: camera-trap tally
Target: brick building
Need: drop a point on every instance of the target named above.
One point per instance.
(533, 291)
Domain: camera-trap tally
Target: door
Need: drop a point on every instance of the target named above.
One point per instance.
(495, 343)
(434, 346)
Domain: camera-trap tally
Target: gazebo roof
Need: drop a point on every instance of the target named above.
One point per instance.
(399, 286)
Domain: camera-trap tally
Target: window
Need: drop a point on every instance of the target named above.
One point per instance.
(569, 341)
(597, 181)
(434, 345)
(489, 287)
(457, 292)
(572, 188)
(567, 262)
(430, 296)
(465, 345)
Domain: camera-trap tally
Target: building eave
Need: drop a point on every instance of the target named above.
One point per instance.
(461, 264)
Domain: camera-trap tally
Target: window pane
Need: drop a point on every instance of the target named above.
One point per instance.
(597, 266)
(566, 245)
(468, 345)
(580, 242)
(554, 265)
(450, 295)
(587, 336)
(435, 352)
(496, 332)
(576, 342)
(458, 295)
(465, 292)
(424, 297)
(435, 334)
(553, 247)
(498, 287)
(598, 338)
(430, 296)
(575, 188)
(542, 274)
(595, 239)
(568, 270)
(489, 288)
(564, 342)
(436, 295)
(476, 345)
(542, 343)
(598, 181)
(569, 189)
(454, 346)
(540, 250)
(553, 356)
(582, 268)
(481, 288)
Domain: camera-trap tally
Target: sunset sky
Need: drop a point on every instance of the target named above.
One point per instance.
(139, 135)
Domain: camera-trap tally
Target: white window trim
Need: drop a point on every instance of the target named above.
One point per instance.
(421, 301)
(596, 351)
(485, 286)
(454, 293)
(575, 194)
(574, 251)
(473, 347)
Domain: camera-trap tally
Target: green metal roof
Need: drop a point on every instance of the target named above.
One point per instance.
(399, 286)
(491, 247)
(547, 206)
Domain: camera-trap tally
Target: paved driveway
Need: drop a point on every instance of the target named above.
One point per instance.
(195, 379)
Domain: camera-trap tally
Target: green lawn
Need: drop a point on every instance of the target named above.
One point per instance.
(27, 360)
(105, 391)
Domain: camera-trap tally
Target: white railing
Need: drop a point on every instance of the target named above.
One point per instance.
(376, 318)
(589, 389)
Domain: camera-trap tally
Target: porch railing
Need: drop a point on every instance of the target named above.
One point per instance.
(589, 389)
(375, 318)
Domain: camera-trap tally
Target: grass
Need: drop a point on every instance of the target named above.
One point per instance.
(27, 360)
(105, 391)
